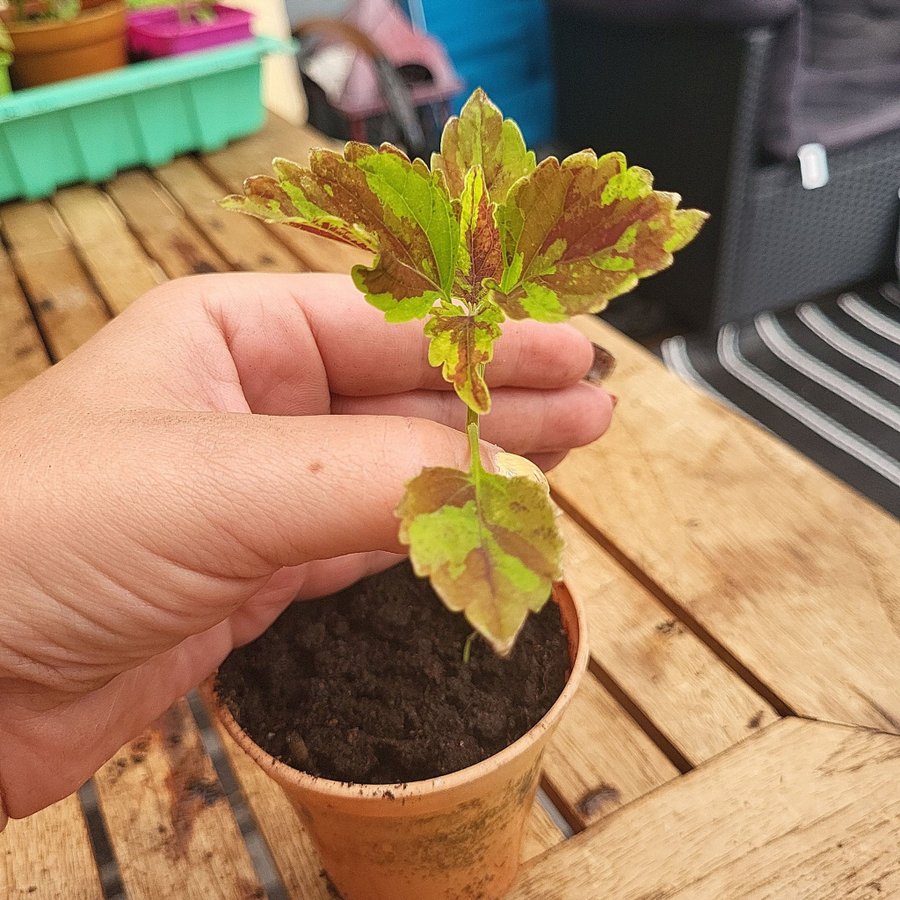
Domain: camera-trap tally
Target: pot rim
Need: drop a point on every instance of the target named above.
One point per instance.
(402, 791)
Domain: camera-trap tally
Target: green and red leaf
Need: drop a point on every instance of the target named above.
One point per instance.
(482, 137)
(462, 344)
(578, 233)
(480, 255)
(488, 543)
(485, 235)
(375, 199)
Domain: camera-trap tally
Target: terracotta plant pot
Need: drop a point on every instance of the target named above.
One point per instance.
(458, 836)
(46, 52)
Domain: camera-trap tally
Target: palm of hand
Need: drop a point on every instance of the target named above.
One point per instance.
(181, 526)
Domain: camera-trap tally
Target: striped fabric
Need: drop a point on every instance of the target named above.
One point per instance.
(825, 377)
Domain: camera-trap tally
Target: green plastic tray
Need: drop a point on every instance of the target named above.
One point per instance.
(89, 128)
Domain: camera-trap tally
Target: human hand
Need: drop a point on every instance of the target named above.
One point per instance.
(149, 523)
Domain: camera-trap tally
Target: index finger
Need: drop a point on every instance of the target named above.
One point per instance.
(265, 318)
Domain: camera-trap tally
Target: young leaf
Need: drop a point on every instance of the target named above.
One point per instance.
(480, 255)
(463, 344)
(482, 137)
(488, 543)
(377, 200)
(578, 233)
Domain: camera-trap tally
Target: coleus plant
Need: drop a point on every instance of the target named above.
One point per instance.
(483, 235)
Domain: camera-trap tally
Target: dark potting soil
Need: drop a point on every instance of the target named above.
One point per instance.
(369, 685)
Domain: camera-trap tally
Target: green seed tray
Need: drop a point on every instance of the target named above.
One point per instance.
(87, 129)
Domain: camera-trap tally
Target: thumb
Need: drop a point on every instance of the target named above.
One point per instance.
(257, 493)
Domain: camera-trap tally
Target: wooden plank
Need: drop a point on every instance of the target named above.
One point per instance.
(790, 571)
(803, 809)
(162, 227)
(48, 855)
(599, 759)
(253, 156)
(118, 264)
(65, 302)
(699, 703)
(170, 825)
(289, 843)
(22, 351)
(541, 833)
(243, 242)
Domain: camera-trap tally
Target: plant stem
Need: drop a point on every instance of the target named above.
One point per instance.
(474, 431)
(467, 647)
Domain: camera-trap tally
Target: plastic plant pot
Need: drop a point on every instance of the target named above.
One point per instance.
(455, 836)
(154, 33)
(50, 51)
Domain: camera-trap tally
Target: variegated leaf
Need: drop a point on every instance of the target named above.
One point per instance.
(462, 344)
(377, 200)
(482, 137)
(488, 543)
(578, 233)
(480, 255)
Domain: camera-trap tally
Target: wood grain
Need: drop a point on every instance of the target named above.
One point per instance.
(786, 568)
(116, 261)
(244, 243)
(170, 824)
(48, 856)
(802, 810)
(700, 704)
(158, 220)
(22, 351)
(61, 294)
(599, 759)
(254, 156)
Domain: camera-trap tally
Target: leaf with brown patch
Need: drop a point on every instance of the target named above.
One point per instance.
(462, 345)
(488, 543)
(376, 200)
(578, 233)
(482, 137)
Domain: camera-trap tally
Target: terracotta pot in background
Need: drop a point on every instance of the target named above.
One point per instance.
(46, 52)
(456, 836)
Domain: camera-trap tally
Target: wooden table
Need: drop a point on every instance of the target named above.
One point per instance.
(739, 731)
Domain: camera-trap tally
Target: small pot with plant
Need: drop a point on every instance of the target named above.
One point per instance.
(409, 740)
(185, 27)
(55, 40)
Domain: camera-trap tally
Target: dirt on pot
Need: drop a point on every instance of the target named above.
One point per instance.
(370, 685)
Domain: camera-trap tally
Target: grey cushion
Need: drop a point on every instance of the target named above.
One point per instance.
(837, 76)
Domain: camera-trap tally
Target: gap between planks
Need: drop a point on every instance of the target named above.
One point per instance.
(680, 612)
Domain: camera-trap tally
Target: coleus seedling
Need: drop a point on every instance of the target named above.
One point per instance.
(483, 235)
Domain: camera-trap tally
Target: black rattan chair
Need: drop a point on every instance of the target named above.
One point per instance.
(687, 95)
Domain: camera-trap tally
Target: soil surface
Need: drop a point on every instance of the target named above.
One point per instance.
(369, 685)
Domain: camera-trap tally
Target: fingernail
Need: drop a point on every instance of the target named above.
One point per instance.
(511, 465)
(602, 366)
